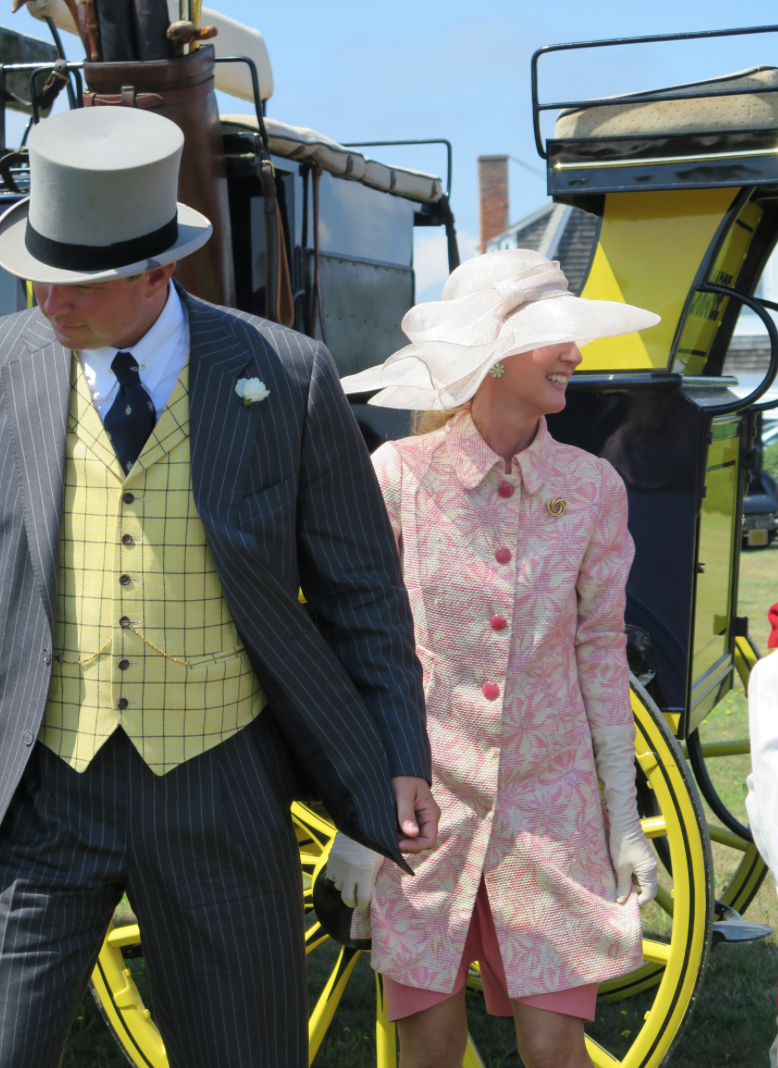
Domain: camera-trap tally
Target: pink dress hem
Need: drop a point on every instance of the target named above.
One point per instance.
(482, 946)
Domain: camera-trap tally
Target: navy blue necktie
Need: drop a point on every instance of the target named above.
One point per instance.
(132, 416)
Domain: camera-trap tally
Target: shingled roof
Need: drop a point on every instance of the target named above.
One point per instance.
(559, 232)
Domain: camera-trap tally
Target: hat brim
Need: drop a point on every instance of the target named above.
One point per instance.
(193, 231)
(437, 375)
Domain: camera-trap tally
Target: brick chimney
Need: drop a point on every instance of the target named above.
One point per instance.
(493, 191)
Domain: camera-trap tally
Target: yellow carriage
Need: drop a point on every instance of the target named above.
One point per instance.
(684, 191)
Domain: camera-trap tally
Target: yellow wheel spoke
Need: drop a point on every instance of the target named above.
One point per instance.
(321, 1017)
(654, 827)
(124, 936)
(314, 936)
(310, 946)
(727, 838)
(712, 750)
(656, 952)
(385, 1032)
(472, 1057)
(310, 858)
(665, 901)
(745, 658)
(304, 817)
(600, 1057)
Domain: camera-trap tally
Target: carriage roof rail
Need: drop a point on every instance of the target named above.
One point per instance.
(760, 306)
(414, 141)
(635, 98)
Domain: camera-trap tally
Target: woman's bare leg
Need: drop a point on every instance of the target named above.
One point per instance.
(549, 1039)
(435, 1037)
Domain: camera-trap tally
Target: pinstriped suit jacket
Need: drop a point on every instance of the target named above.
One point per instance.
(287, 495)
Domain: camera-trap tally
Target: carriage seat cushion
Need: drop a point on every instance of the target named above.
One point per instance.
(754, 111)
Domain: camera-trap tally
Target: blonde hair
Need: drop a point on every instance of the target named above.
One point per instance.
(426, 422)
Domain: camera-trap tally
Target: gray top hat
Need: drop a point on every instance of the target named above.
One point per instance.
(102, 201)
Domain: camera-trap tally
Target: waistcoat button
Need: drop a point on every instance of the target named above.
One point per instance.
(123, 665)
(27, 737)
(46, 656)
(122, 703)
(503, 555)
(498, 622)
(124, 621)
(505, 489)
(490, 690)
(126, 539)
(128, 498)
(124, 580)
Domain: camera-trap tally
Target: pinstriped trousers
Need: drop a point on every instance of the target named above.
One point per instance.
(209, 861)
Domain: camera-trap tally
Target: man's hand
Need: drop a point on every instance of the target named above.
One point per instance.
(417, 814)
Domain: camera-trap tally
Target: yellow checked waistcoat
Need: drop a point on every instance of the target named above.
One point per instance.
(143, 637)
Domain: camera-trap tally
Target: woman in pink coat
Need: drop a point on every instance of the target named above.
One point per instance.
(515, 552)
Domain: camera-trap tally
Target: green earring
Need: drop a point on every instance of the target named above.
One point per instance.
(497, 371)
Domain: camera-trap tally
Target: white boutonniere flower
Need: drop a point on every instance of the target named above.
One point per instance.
(251, 390)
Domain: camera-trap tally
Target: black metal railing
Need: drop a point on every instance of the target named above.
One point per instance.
(637, 98)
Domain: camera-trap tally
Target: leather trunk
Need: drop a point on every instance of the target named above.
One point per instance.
(182, 91)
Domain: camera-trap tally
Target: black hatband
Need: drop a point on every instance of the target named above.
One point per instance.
(100, 257)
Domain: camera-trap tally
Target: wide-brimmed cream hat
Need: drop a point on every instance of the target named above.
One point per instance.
(102, 203)
(493, 306)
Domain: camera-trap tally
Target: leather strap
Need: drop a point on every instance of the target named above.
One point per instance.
(148, 100)
(268, 182)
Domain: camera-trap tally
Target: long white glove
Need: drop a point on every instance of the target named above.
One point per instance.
(634, 860)
(353, 868)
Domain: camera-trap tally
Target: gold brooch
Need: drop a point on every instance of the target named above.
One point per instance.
(556, 506)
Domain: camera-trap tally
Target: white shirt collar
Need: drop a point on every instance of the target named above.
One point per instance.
(153, 352)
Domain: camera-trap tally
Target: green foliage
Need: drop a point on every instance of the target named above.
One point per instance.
(770, 461)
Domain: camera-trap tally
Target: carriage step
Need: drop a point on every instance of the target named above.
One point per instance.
(729, 926)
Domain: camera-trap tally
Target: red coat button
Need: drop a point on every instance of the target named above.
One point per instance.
(490, 690)
(498, 622)
(505, 489)
(503, 555)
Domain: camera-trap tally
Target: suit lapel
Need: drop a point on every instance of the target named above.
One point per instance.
(36, 389)
(222, 429)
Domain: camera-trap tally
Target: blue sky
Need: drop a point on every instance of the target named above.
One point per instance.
(368, 71)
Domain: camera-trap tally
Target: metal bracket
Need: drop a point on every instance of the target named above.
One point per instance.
(729, 926)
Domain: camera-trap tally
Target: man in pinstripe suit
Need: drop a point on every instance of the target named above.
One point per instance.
(171, 473)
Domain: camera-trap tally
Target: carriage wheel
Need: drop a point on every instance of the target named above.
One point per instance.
(674, 957)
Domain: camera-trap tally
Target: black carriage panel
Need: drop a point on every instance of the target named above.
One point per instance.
(365, 254)
(682, 472)
(364, 303)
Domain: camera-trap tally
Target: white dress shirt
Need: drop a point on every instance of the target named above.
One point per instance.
(161, 354)
(762, 797)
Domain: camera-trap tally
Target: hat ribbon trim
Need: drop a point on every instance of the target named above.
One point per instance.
(71, 257)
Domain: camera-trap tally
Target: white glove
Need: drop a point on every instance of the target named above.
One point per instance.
(634, 860)
(353, 868)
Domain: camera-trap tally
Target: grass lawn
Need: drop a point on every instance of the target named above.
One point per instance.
(734, 1020)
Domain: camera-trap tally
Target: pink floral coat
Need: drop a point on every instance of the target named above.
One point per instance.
(520, 631)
